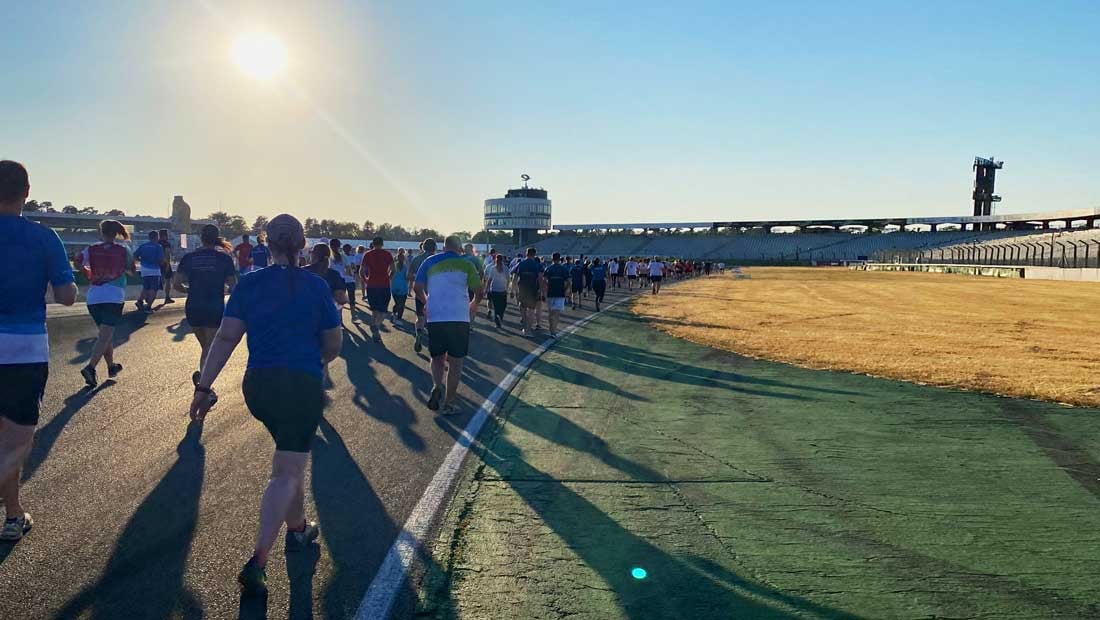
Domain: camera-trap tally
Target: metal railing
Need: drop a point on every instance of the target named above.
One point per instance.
(1047, 253)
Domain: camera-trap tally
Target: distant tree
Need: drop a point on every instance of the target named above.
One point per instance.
(47, 206)
(32, 205)
(115, 213)
(231, 225)
(313, 229)
(260, 224)
(463, 235)
(368, 230)
(426, 233)
(88, 211)
(70, 210)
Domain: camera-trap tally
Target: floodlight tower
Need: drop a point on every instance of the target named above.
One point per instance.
(985, 175)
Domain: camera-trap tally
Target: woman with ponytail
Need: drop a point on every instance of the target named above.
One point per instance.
(106, 265)
(204, 275)
(293, 329)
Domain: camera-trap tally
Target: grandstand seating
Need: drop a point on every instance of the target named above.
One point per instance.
(833, 246)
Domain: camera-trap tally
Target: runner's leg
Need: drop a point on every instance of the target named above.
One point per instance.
(287, 476)
(454, 377)
(103, 342)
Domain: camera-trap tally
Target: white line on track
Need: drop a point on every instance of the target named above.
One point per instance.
(380, 596)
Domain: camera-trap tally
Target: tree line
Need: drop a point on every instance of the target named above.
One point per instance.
(234, 226)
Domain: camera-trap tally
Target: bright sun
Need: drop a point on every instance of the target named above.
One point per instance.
(259, 55)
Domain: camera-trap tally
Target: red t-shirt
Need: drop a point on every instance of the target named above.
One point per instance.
(244, 254)
(377, 263)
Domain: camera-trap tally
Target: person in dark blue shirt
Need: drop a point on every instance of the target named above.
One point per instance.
(31, 257)
(261, 256)
(599, 281)
(204, 275)
(293, 330)
(557, 287)
(576, 276)
(528, 287)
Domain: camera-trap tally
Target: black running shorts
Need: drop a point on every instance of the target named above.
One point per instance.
(450, 337)
(204, 315)
(378, 298)
(22, 386)
(105, 314)
(288, 402)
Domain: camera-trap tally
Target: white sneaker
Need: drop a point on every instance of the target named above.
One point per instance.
(14, 529)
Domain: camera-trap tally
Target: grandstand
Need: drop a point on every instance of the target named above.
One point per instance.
(1004, 238)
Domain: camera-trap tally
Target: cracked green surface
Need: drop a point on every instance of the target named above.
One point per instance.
(749, 489)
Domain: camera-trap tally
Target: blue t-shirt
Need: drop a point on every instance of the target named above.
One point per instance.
(577, 273)
(150, 254)
(260, 256)
(556, 275)
(30, 256)
(599, 273)
(207, 270)
(285, 309)
(528, 271)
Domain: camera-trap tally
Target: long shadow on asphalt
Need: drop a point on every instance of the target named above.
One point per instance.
(355, 525)
(678, 586)
(158, 535)
(46, 436)
(129, 324)
(372, 397)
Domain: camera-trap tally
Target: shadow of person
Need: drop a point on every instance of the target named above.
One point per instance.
(355, 526)
(179, 330)
(129, 324)
(144, 577)
(373, 398)
(46, 436)
(674, 585)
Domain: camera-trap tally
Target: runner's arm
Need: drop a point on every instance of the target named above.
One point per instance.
(340, 296)
(228, 337)
(180, 283)
(65, 294)
(331, 341)
(420, 291)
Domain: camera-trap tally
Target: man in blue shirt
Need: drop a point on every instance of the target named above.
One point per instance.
(529, 283)
(150, 258)
(260, 254)
(34, 257)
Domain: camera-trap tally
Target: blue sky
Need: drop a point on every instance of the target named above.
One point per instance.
(415, 112)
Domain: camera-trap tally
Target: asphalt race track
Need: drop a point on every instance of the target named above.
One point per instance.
(139, 514)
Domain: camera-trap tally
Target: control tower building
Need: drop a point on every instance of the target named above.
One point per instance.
(524, 211)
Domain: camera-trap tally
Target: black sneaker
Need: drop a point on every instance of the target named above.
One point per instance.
(297, 541)
(113, 370)
(498, 323)
(433, 400)
(376, 335)
(417, 345)
(89, 376)
(252, 579)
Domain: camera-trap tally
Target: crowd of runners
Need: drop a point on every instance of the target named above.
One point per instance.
(289, 299)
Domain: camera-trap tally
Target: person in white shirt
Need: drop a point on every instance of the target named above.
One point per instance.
(631, 272)
(613, 271)
(656, 274)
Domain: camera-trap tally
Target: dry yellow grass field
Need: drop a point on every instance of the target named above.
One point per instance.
(1031, 339)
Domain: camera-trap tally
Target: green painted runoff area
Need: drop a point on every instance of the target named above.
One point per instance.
(635, 475)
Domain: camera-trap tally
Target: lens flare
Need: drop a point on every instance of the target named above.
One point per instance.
(638, 573)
